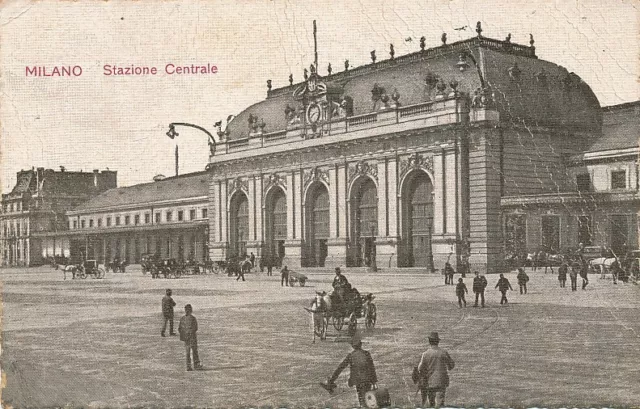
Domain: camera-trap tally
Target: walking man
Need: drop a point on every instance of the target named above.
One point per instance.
(503, 285)
(523, 279)
(573, 275)
(562, 274)
(167, 312)
(461, 290)
(362, 372)
(583, 273)
(479, 284)
(433, 372)
(284, 276)
(187, 329)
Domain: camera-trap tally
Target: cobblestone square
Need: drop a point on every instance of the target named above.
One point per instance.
(96, 343)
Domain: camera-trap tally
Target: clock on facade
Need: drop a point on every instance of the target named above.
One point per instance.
(314, 113)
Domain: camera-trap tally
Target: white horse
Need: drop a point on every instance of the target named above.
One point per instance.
(71, 268)
(319, 310)
(603, 265)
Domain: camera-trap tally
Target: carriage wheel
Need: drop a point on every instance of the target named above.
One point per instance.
(292, 282)
(338, 322)
(370, 320)
(81, 274)
(101, 272)
(302, 282)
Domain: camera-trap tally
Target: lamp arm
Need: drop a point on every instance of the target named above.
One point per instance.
(212, 141)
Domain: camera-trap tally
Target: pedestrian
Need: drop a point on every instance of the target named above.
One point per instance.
(362, 372)
(461, 290)
(167, 312)
(573, 275)
(187, 329)
(562, 274)
(503, 285)
(583, 274)
(523, 279)
(241, 270)
(448, 273)
(479, 285)
(252, 259)
(269, 264)
(284, 276)
(433, 373)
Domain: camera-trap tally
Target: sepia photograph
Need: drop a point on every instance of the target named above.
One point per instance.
(265, 204)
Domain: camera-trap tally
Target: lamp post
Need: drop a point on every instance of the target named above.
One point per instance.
(172, 134)
(373, 267)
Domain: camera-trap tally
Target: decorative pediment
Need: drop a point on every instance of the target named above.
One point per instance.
(362, 168)
(274, 179)
(416, 161)
(237, 184)
(315, 175)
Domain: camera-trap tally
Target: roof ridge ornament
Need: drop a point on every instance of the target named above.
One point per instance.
(479, 29)
(444, 38)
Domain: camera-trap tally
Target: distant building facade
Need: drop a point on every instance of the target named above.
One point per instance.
(599, 203)
(410, 161)
(167, 217)
(37, 204)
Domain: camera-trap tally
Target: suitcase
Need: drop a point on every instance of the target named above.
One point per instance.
(378, 398)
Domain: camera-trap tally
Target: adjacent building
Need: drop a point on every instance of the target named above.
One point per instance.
(167, 217)
(38, 203)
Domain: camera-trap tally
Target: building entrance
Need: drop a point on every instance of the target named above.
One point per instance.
(317, 226)
(239, 232)
(417, 221)
(364, 225)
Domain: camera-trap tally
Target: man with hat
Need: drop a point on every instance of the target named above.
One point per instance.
(167, 312)
(187, 329)
(433, 371)
(340, 286)
(362, 371)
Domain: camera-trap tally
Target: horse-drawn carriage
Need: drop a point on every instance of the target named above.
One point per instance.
(90, 268)
(295, 277)
(168, 268)
(341, 310)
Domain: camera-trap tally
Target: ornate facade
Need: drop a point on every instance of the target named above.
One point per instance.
(403, 161)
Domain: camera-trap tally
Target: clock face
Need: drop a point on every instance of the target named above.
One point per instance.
(314, 113)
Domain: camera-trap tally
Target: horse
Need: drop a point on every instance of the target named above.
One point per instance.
(71, 268)
(319, 315)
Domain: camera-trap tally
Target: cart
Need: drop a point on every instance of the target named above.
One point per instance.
(90, 268)
(295, 277)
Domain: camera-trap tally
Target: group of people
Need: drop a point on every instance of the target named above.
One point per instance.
(480, 284)
(577, 269)
(431, 375)
(187, 329)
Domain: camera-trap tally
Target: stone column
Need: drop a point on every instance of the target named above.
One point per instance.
(254, 243)
(293, 244)
(387, 240)
(219, 246)
(337, 242)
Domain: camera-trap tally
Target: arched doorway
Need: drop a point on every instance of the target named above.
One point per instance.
(317, 225)
(276, 225)
(239, 225)
(364, 222)
(417, 220)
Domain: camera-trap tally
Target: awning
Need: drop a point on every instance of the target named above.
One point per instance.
(124, 229)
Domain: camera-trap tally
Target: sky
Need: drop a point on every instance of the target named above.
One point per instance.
(94, 121)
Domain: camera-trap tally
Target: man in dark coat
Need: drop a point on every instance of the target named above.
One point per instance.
(341, 287)
(167, 312)
(523, 279)
(461, 290)
(562, 274)
(584, 269)
(573, 275)
(362, 371)
(187, 329)
(433, 373)
(503, 285)
(479, 284)
(284, 276)
(448, 273)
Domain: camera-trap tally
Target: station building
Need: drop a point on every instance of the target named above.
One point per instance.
(410, 161)
(475, 150)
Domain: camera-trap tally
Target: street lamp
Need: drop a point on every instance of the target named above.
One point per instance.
(172, 134)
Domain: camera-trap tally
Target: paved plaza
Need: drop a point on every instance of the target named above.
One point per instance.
(96, 343)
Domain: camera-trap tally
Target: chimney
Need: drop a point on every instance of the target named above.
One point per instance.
(95, 177)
